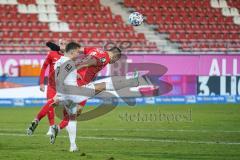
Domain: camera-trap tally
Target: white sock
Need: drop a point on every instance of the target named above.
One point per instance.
(120, 82)
(72, 131)
(50, 128)
(59, 130)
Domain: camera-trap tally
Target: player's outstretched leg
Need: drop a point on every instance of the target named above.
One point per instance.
(120, 82)
(92, 89)
(116, 83)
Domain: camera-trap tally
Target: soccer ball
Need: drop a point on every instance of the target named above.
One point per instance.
(135, 18)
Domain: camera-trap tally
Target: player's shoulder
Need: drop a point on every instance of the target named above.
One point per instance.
(87, 50)
(62, 61)
(67, 60)
(97, 52)
(90, 50)
(54, 54)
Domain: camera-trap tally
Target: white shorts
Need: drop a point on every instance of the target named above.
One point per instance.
(71, 109)
(74, 98)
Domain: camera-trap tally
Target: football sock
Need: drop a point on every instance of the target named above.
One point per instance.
(117, 83)
(65, 120)
(85, 90)
(72, 131)
(50, 114)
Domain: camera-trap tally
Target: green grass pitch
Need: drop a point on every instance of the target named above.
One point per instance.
(144, 132)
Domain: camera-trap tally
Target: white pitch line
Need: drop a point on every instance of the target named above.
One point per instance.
(141, 129)
(159, 130)
(136, 139)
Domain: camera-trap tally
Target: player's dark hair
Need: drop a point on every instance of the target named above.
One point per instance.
(53, 46)
(72, 46)
(116, 50)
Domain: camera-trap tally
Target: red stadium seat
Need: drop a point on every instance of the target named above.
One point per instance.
(88, 21)
(186, 22)
(190, 21)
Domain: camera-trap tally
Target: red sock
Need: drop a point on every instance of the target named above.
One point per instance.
(44, 109)
(65, 120)
(50, 114)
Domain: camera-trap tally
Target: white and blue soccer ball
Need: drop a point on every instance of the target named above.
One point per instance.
(135, 18)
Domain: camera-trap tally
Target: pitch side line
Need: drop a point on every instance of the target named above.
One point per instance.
(135, 139)
(158, 130)
(142, 130)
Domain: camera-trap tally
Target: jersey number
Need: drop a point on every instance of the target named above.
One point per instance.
(58, 70)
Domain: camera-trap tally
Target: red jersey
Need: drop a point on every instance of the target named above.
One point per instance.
(89, 73)
(50, 60)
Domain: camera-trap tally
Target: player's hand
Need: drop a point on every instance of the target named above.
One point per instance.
(42, 87)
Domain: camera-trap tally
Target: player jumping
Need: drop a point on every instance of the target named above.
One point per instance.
(56, 52)
(89, 67)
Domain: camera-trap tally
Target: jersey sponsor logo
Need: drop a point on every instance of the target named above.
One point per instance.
(68, 67)
(103, 60)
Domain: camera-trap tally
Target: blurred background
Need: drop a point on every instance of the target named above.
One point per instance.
(198, 41)
(190, 46)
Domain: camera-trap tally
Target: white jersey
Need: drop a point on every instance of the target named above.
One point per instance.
(66, 73)
(71, 78)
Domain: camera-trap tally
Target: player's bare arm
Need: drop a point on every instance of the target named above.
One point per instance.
(42, 73)
(86, 62)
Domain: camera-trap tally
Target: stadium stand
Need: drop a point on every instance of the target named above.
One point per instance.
(25, 25)
(197, 25)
